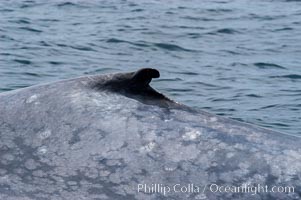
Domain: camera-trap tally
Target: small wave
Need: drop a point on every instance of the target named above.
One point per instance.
(225, 110)
(289, 76)
(224, 31)
(200, 83)
(179, 90)
(62, 45)
(26, 6)
(82, 48)
(194, 35)
(5, 89)
(5, 54)
(30, 4)
(131, 4)
(186, 27)
(44, 44)
(114, 40)
(198, 18)
(219, 10)
(284, 29)
(223, 100)
(140, 44)
(239, 64)
(231, 52)
(187, 73)
(220, 88)
(65, 4)
(171, 47)
(263, 65)
(182, 7)
(6, 10)
(137, 10)
(17, 86)
(55, 63)
(76, 24)
(20, 21)
(31, 29)
(253, 95)
(238, 119)
(169, 13)
(279, 124)
(32, 74)
(26, 62)
(266, 17)
(6, 37)
(227, 31)
(23, 21)
(49, 20)
(269, 106)
(291, 90)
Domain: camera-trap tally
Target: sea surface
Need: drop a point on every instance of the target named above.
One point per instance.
(236, 58)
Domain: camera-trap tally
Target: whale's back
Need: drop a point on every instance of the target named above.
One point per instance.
(76, 139)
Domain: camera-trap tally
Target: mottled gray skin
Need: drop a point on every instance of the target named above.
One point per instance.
(83, 139)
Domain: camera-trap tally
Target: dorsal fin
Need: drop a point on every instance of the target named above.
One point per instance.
(136, 85)
(141, 79)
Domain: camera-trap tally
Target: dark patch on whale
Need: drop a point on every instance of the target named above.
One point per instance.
(136, 85)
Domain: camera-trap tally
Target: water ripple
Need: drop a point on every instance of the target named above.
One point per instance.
(65, 4)
(219, 10)
(82, 48)
(166, 46)
(233, 60)
(224, 31)
(32, 74)
(254, 95)
(25, 62)
(171, 47)
(21, 21)
(263, 65)
(31, 29)
(288, 76)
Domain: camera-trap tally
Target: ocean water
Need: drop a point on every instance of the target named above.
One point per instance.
(236, 58)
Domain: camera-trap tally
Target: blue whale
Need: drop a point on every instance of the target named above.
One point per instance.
(115, 137)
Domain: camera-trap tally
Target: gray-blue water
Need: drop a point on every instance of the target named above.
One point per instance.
(237, 58)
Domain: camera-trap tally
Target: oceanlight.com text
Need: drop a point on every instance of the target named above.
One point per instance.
(253, 189)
